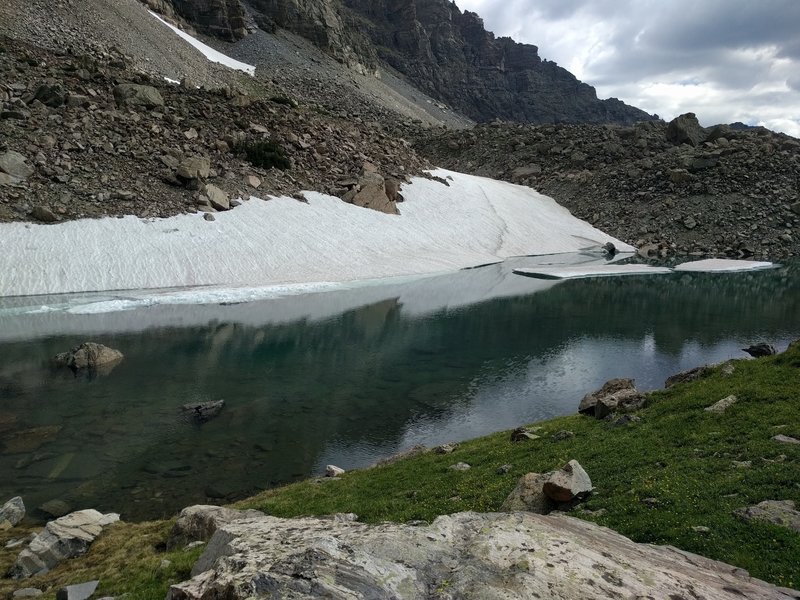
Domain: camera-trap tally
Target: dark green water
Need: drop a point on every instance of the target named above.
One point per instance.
(346, 377)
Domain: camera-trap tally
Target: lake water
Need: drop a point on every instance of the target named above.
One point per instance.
(343, 377)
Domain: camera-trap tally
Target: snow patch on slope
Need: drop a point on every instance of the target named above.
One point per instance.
(208, 51)
(286, 243)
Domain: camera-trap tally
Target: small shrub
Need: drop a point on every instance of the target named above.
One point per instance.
(266, 154)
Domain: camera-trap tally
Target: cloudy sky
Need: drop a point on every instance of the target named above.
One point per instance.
(724, 60)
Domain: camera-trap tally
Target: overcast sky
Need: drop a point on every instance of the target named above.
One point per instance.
(724, 60)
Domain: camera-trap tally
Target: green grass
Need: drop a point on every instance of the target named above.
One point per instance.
(678, 454)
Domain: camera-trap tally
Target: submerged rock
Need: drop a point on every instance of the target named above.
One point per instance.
(89, 355)
(202, 412)
(494, 555)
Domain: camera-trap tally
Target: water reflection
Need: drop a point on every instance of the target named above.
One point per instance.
(346, 377)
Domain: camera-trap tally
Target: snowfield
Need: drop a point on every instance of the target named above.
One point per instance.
(211, 54)
(285, 243)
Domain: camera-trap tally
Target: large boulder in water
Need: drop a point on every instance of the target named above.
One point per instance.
(88, 355)
(467, 555)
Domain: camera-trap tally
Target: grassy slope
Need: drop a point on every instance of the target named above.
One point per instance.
(678, 454)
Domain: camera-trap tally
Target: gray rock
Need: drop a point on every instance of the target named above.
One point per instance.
(513, 556)
(199, 522)
(615, 395)
(64, 538)
(721, 406)
(569, 483)
(371, 193)
(44, 214)
(685, 129)
(13, 163)
(445, 448)
(461, 466)
(760, 350)
(27, 593)
(687, 376)
(217, 197)
(777, 512)
(131, 94)
(79, 591)
(194, 167)
(521, 434)
(333, 471)
(89, 355)
(209, 217)
(13, 511)
(785, 439)
(528, 495)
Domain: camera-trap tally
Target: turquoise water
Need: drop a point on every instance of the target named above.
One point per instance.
(344, 377)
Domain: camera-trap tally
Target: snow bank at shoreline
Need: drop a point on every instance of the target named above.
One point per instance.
(284, 242)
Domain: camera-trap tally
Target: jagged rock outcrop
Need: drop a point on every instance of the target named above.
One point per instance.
(225, 19)
(465, 555)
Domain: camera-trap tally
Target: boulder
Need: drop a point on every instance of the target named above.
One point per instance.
(79, 591)
(615, 395)
(521, 434)
(333, 471)
(371, 193)
(12, 512)
(785, 439)
(27, 593)
(687, 376)
(13, 163)
(193, 168)
(721, 406)
(43, 214)
(568, 484)
(66, 537)
(528, 495)
(199, 522)
(778, 512)
(217, 197)
(760, 350)
(685, 129)
(131, 94)
(88, 355)
(470, 555)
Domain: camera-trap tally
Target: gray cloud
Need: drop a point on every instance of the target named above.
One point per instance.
(726, 55)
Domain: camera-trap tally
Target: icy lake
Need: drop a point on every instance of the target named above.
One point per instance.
(343, 377)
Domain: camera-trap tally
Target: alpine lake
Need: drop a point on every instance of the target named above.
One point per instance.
(342, 377)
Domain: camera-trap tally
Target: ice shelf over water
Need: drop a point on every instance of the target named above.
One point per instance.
(722, 265)
(284, 242)
(208, 51)
(579, 272)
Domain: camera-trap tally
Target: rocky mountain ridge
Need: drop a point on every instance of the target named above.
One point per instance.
(445, 52)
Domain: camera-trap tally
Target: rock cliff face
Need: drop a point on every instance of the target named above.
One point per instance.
(446, 53)
(224, 19)
(450, 55)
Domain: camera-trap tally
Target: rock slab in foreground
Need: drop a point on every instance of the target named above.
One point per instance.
(61, 539)
(470, 555)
